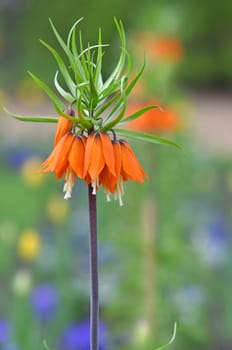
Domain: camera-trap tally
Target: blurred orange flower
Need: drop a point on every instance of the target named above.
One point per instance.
(159, 47)
(154, 120)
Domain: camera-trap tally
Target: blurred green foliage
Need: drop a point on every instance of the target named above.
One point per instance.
(205, 28)
(189, 283)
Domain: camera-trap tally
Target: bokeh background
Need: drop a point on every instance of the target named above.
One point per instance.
(166, 255)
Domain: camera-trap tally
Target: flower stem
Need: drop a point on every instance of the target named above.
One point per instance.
(94, 305)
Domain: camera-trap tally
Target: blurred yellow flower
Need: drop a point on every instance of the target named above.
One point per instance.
(57, 209)
(29, 172)
(29, 244)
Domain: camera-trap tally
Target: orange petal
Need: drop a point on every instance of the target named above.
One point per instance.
(88, 150)
(76, 156)
(62, 156)
(108, 180)
(63, 127)
(97, 161)
(58, 159)
(108, 152)
(130, 166)
(117, 157)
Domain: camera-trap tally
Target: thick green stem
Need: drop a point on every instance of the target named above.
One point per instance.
(94, 304)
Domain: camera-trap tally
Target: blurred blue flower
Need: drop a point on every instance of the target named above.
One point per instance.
(17, 157)
(44, 300)
(5, 330)
(211, 240)
(76, 336)
(190, 301)
(10, 346)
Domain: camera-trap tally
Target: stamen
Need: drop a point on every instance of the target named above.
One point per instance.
(120, 200)
(120, 191)
(69, 183)
(108, 199)
(94, 186)
(68, 195)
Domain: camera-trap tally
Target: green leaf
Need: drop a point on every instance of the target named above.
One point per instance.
(64, 46)
(116, 120)
(137, 114)
(82, 59)
(107, 103)
(98, 74)
(80, 73)
(134, 81)
(60, 40)
(37, 119)
(73, 29)
(62, 67)
(93, 93)
(56, 101)
(120, 65)
(66, 95)
(170, 341)
(137, 135)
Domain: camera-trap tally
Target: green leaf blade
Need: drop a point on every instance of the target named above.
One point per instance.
(137, 135)
(36, 119)
(55, 100)
(68, 80)
(137, 114)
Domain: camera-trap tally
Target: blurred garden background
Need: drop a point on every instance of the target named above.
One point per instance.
(164, 256)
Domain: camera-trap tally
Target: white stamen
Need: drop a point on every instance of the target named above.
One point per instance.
(120, 200)
(69, 183)
(108, 199)
(120, 191)
(67, 195)
(95, 185)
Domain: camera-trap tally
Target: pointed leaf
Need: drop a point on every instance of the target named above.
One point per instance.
(56, 101)
(80, 73)
(62, 67)
(120, 65)
(134, 81)
(60, 40)
(64, 46)
(146, 137)
(116, 120)
(121, 102)
(107, 104)
(137, 114)
(37, 119)
(98, 73)
(73, 29)
(66, 95)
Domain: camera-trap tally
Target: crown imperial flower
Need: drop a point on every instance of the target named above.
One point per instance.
(96, 158)
(85, 142)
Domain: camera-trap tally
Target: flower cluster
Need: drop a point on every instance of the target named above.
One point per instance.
(94, 157)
